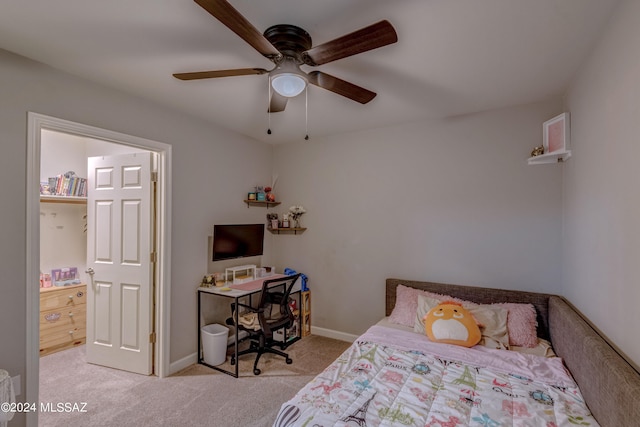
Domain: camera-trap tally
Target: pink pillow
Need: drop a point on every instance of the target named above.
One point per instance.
(521, 320)
(521, 323)
(404, 312)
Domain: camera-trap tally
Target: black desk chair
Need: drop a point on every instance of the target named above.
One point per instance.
(272, 313)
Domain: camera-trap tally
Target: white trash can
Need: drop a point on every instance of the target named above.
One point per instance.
(214, 344)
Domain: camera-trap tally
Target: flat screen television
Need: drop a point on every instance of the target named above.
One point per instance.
(237, 241)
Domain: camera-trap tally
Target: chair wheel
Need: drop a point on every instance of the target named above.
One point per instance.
(256, 371)
(289, 361)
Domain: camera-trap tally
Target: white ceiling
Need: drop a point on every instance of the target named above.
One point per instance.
(452, 56)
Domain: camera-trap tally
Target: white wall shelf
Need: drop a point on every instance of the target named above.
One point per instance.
(555, 157)
(63, 199)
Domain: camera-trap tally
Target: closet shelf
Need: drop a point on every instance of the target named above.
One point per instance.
(63, 199)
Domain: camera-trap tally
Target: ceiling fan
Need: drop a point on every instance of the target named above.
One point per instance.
(288, 47)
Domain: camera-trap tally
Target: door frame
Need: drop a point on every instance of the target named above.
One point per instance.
(36, 123)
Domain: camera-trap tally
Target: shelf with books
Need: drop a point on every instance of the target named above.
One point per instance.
(47, 198)
(68, 184)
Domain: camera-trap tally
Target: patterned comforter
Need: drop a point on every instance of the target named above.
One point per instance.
(390, 377)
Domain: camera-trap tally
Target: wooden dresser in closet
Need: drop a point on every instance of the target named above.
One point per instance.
(63, 317)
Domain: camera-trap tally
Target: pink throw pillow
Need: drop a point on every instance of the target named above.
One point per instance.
(404, 312)
(521, 323)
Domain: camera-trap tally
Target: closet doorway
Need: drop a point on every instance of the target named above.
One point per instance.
(50, 142)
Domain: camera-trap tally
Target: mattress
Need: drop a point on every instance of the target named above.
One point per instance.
(391, 376)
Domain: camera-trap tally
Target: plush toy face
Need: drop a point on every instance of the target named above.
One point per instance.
(451, 323)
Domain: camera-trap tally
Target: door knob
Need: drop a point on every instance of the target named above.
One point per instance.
(90, 271)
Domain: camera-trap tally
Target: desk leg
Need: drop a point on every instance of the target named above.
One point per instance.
(199, 327)
(236, 333)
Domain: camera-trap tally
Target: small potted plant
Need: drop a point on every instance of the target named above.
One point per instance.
(295, 212)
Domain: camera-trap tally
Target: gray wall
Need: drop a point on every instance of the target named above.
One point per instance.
(212, 171)
(602, 201)
(450, 200)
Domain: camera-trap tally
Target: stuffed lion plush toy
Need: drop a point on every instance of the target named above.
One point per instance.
(450, 323)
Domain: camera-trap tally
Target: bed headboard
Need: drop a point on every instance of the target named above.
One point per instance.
(478, 295)
(609, 384)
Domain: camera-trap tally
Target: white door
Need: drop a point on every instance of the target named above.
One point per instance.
(119, 246)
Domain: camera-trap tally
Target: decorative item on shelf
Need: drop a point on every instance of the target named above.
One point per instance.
(556, 134)
(538, 151)
(260, 194)
(295, 212)
(285, 220)
(251, 196)
(269, 195)
(272, 220)
(555, 142)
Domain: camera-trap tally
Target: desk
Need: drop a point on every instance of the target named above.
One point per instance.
(236, 292)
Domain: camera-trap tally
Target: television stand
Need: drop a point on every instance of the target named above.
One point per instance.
(241, 274)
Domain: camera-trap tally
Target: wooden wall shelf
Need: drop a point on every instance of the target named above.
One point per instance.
(261, 203)
(285, 230)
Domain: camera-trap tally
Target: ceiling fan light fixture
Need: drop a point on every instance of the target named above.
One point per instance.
(289, 84)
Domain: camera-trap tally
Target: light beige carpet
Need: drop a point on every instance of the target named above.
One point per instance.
(195, 396)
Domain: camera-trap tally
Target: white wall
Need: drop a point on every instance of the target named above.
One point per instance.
(63, 242)
(212, 171)
(451, 201)
(602, 201)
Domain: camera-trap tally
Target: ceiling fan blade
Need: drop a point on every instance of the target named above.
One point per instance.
(372, 37)
(278, 103)
(219, 73)
(341, 87)
(229, 16)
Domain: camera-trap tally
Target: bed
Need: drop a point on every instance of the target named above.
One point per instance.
(393, 376)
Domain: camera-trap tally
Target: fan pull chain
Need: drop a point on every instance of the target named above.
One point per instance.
(306, 112)
(269, 104)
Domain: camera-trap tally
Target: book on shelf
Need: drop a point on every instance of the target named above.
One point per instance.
(68, 184)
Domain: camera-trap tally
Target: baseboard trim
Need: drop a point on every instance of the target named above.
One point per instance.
(185, 362)
(192, 359)
(330, 333)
